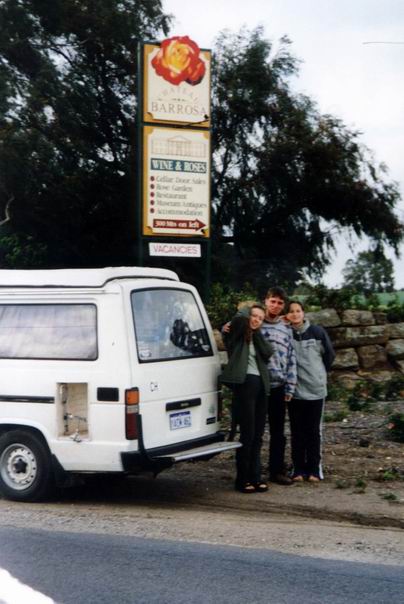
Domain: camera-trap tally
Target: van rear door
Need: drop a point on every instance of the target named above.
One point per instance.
(176, 367)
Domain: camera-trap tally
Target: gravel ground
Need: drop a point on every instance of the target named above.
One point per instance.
(356, 513)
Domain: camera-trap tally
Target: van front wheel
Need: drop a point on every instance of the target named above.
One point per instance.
(25, 469)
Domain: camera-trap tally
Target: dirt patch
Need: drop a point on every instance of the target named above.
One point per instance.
(363, 468)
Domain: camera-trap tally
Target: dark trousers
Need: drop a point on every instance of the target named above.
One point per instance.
(277, 440)
(305, 427)
(250, 410)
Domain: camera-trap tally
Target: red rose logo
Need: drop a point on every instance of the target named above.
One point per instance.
(178, 60)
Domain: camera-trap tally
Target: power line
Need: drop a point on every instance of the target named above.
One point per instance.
(381, 42)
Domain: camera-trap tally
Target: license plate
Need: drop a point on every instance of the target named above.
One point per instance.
(182, 419)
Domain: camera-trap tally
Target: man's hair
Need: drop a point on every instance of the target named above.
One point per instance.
(276, 292)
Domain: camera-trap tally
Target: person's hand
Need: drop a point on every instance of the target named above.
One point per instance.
(226, 327)
(288, 397)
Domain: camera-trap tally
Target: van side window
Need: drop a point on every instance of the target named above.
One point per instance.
(168, 325)
(48, 331)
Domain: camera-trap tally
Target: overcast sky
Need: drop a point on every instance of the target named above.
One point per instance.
(361, 83)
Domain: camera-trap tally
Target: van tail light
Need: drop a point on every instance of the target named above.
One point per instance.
(132, 413)
(219, 403)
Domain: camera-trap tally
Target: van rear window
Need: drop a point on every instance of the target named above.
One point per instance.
(168, 325)
(48, 331)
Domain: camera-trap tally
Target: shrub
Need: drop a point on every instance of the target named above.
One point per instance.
(336, 416)
(390, 497)
(394, 388)
(363, 396)
(396, 426)
(395, 311)
(322, 297)
(224, 301)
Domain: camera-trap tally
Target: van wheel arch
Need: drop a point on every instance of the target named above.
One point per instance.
(25, 464)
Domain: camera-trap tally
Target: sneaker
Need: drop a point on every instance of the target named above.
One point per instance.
(282, 479)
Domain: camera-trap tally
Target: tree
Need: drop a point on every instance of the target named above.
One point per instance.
(286, 178)
(370, 272)
(67, 119)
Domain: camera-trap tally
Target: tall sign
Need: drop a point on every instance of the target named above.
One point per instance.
(176, 140)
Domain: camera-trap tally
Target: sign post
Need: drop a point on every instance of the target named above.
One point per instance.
(174, 167)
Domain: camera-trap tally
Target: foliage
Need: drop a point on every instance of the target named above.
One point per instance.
(342, 484)
(320, 296)
(396, 426)
(389, 496)
(336, 392)
(370, 272)
(395, 311)
(366, 393)
(394, 388)
(389, 475)
(286, 178)
(18, 250)
(360, 485)
(336, 416)
(363, 396)
(224, 302)
(67, 118)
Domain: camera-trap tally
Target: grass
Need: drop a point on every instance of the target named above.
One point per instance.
(360, 485)
(336, 416)
(342, 484)
(389, 496)
(389, 475)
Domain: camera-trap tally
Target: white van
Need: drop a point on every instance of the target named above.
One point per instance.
(102, 370)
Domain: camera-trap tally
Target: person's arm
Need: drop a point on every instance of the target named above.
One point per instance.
(291, 371)
(236, 331)
(328, 350)
(264, 347)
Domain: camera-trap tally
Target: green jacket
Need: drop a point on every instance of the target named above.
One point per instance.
(238, 349)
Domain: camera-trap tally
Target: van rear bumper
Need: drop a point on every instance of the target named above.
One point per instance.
(161, 458)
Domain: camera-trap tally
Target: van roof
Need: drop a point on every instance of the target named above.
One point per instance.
(80, 277)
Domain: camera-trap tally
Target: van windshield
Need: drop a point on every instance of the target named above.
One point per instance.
(168, 325)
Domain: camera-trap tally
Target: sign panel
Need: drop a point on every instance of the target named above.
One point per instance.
(176, 82)
(176, 250)
(176, 182)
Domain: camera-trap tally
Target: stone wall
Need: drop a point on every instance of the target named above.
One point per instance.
(366, 346)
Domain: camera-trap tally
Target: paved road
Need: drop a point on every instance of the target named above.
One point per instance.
(92, 568)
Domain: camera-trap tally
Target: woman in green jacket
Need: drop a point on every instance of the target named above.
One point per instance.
(247, 374)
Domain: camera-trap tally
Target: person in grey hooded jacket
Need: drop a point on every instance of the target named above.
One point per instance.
(314, 357)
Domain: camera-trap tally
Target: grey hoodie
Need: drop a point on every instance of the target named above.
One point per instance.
(314, 357)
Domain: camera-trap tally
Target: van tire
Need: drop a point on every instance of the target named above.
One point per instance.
(25, 467)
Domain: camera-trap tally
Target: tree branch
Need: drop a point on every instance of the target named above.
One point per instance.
(7, 211)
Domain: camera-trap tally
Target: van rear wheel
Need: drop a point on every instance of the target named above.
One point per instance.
(25, 468)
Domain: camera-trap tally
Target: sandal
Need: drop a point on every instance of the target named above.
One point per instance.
(247, 488)
(261, 487)
(313, 478)
(298, 478)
